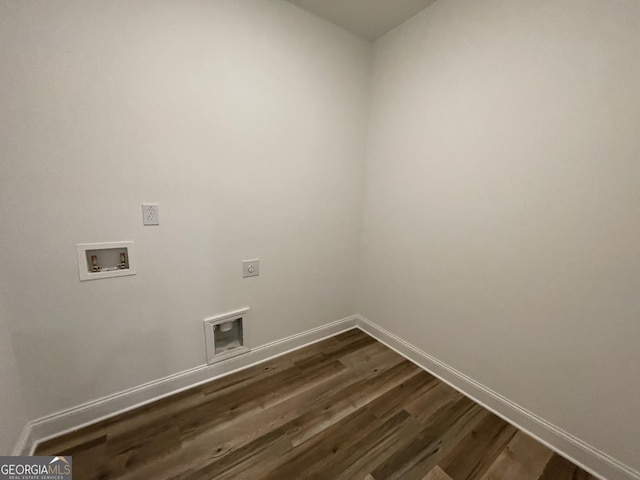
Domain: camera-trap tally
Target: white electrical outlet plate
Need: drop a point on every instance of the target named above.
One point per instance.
(251, 268)
(150, 214)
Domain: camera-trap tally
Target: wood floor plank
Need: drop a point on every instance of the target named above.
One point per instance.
(371, 358)
(321, 415)
(372, 450)
(273, 393)
(478, 450)
(253, 397)
(426, 406)
(244, 462)
(384, 381)
(135, 452)
(331, 350)
(390, 403)
(308, 459)
(341, 409)
(212, 444)
(437, 474)
(420, 456)
(560, 468)
(86, 456)
(522, 459)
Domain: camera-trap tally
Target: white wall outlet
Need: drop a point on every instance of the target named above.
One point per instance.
(150, 214)
(251, 268)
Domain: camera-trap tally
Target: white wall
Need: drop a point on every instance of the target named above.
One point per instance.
(244, 119)
(12, 413)
(502, 217)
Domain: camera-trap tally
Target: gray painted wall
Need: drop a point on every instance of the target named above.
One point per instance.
(12, 412)
(502, 222)
(244, 119)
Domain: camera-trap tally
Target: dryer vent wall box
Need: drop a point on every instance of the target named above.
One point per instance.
(105, 260)
(224, 335)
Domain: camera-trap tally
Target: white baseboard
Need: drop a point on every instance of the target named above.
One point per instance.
(92, 412)
(587, 457)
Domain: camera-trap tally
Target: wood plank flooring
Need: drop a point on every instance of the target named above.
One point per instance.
(344, 408)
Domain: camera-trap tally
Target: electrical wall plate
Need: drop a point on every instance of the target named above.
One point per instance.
(150, 214)
(251, 268)
(112, 259)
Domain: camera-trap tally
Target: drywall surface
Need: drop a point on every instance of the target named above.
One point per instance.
(12, 413)
(244, 119)
(502, 214)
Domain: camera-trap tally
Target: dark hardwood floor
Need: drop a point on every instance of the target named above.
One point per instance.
(345, 408)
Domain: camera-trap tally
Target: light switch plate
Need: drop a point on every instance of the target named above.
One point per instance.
(251, 268)
(150, 214)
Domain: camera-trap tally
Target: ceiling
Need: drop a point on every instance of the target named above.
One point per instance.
(369, 19)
